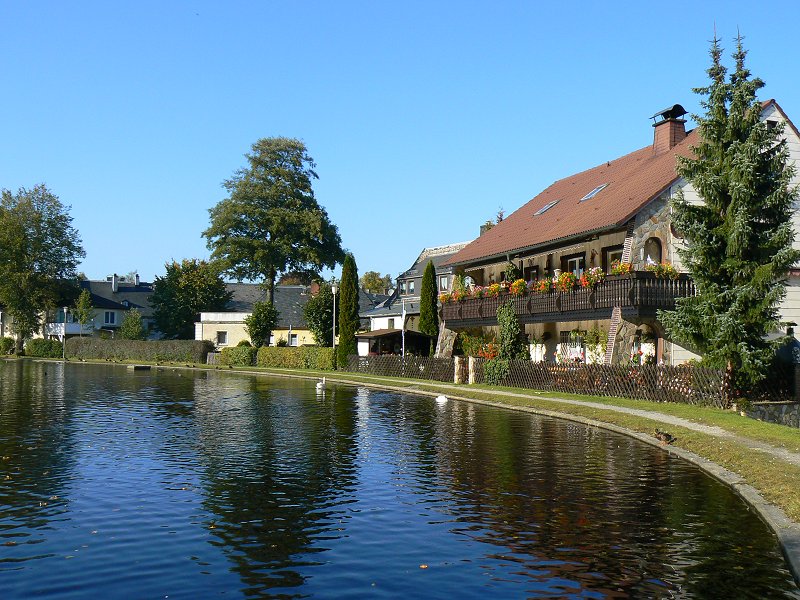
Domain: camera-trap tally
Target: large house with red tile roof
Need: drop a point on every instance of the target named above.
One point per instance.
(618, 210)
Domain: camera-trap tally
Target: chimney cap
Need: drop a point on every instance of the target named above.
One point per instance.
(676, 111)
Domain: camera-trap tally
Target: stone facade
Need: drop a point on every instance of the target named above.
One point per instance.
(652, 222)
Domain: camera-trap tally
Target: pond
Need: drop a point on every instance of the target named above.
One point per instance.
(203, 484)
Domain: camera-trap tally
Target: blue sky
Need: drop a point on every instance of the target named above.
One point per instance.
(424, 118)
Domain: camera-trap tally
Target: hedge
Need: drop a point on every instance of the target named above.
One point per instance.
(42, 348)
(238, 356)
(192, 351)
(6, 345)
(304, 357)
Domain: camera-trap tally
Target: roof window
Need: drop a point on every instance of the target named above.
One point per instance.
(545, 208)
(594, 192)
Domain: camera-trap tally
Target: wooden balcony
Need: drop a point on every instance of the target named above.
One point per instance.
(640, 295)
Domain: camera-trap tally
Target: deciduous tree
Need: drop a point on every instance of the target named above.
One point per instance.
(84, 311)
(187, 289)
(318, 315)
(271, 222)
(373, 282)
(739, 240)
(132, 327)
(39, 253)
(348, 321)
(261, 323)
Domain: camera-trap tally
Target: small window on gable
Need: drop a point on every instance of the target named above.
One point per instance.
(545, 208)
(772, 124)
(390, 324)
(594, 192)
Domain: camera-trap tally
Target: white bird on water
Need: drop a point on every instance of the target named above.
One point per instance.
(321, 385)
(441, 399)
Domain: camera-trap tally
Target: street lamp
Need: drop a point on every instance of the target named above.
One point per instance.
(334, 289)
(64, 339)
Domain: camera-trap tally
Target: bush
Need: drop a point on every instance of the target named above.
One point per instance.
(307, 357)
(193, 351)
(244, 343)
(238, 356)
(495, 371)
(6, 345)
(42, 348)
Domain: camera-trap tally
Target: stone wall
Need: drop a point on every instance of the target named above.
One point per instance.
(783, 413)
(653, 221)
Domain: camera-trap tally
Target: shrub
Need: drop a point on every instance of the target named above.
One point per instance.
(476, 345)
(6, 345)
(495, 371)
(244, 343)
(194, 351)
(238, 356)
(306, 357)
(44, 348)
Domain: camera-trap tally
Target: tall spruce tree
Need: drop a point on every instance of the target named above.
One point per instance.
(428, 318)
(739, 240)
(348, 321)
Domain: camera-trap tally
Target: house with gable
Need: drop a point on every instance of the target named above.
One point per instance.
(400, 311)
(616, 211)
(112, 298)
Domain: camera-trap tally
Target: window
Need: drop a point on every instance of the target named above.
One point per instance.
(293, 340)
(110, 318)
(594, 192)
(402, 287)
(574, 263)
(222, 338)
(530, 273)
(443, 283)
(610, 254)
(545, 208)
(390, 324)
(411, 287)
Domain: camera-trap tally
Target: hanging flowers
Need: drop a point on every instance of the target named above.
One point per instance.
(566, 282)
(543, 286)
(620, 268)
(662, 271)
(518, 288)
(592, 277)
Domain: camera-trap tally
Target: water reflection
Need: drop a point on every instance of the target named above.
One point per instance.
(193, 485)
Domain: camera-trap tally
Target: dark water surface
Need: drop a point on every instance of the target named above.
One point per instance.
(116, 484)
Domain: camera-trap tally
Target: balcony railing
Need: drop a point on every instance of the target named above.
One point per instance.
(639, 295)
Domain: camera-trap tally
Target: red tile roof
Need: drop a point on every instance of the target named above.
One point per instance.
(634, 180)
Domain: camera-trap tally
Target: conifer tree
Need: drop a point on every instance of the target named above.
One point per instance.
(428, 318)
(739, 240)
(348, 322)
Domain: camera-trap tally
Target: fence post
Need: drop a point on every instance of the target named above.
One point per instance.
(471, 370)
(457, 376)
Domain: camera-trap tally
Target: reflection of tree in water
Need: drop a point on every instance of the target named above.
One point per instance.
(279, 463)
(36, 455)
(571, 508)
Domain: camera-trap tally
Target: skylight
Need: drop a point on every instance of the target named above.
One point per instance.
(594, 192)
(545, 208)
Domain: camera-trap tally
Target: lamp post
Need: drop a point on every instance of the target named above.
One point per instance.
(64, 339)
(334, 289)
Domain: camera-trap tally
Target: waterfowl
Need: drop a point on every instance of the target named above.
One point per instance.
(664, 437)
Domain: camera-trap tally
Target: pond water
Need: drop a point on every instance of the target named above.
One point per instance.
(193, 485)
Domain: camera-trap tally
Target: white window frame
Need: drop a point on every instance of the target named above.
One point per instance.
(222, 338)
(443, 282)
(110, 317)
(292, 341)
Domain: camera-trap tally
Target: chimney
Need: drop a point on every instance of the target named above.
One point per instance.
(670, 129)
(114, 283)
